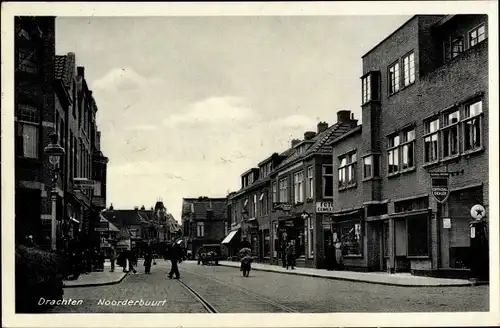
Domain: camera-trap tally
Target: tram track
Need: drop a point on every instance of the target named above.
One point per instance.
(250, 295)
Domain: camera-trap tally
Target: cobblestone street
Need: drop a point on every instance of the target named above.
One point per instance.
(227, 291)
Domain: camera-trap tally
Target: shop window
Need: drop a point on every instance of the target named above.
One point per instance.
(418, 235)
(275, 239)
(351, 238)
(409, 205)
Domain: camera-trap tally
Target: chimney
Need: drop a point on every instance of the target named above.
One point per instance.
(111, 207)
(343, 116)
(322, 126)
(136, 208)
(295, 142)
(80, 71)
(143, 208)
(309, 135)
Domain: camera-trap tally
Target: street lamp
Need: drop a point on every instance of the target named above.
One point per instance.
(54, 151)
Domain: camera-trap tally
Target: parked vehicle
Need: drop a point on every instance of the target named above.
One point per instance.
(211, 254)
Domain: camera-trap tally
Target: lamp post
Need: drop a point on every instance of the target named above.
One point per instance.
(54, 151)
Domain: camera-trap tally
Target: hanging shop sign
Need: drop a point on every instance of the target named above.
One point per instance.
(324, 207)
(440, 187)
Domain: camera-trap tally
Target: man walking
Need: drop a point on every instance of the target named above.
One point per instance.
(112, 258)
(176, 256)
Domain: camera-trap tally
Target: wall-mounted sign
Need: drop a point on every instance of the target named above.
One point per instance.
(289, 223)
(83, 184)
(446, 223)
(324, 207)
(439, 185)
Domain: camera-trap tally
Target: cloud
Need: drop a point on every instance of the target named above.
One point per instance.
(212, 111)
(123, 79)
(141, 127)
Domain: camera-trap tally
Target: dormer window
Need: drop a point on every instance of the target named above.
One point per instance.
(477, 35)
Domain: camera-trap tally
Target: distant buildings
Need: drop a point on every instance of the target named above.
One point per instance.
(368, 188)
(204, 221)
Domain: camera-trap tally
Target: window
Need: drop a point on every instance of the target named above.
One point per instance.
(275, 193)
(250, 179)
(283, 190)
(394, 78)
(254, 205)
(275, 239)
(408, 69)
(351, 237)
(477, 35)
(310, 182)
(27, 61)
(409, 205)
(472, 125)
(347, 170)
(450, 133)
(431, 141)
(298, 186)
(366, 89)
(28, 118)
(417, 227)
(408, 149)
(310, 237)
(393, 154)
(327, 181)
(261, 202)
(371, 166)
(267, 244)
(200, 229)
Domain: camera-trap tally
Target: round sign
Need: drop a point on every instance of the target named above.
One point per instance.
(477, 212)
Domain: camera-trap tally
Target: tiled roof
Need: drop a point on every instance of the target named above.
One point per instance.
(122, 218)
(203, 206)
(64, 66)
(319, 145)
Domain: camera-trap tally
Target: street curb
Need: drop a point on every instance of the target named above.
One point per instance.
(98, 284)
(469, 284)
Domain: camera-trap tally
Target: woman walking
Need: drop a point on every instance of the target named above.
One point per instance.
(148, 259)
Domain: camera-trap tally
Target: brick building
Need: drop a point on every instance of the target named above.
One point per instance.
(51, 97)
(424, 110)
(287, 198)
(34, 121)
(204, 221)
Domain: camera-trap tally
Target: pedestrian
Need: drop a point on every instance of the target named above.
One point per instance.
(131, 261)
(148, 259)
(330, 255)
(199, 255)
(283, 253)
(112, 258)
(176, 256)
(290, 254)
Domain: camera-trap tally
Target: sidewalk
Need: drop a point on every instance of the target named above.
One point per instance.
(98, 278)
(397, 279)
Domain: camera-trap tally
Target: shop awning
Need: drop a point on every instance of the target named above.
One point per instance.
(229, 237)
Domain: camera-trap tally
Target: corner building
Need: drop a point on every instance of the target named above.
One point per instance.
(424, 110)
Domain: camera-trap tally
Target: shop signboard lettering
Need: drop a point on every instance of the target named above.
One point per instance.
(324, 207)
(439, 185)
(289, 223)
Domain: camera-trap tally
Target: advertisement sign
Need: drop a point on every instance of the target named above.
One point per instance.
(439, 185)
(83, 184)
(446, 223)
(102, 226)
(477, 212)
(324, 207)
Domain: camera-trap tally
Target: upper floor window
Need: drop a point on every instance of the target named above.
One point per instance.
(310, 182)
(431, 149)
(394, 78)
(200, 229)
(366, 92)
(450, 133)
(371, 166)
(408, 69)
(327, 181)
(27, 61)
(408, 149)
(393, 154)
(284, 190)
(275, 193)
(254, 204)
(28, 118)
(477, 35)
(347, 170)
(473, 125)
(298, 186)
(250, 179)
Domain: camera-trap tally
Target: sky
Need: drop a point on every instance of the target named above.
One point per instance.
(187, 104)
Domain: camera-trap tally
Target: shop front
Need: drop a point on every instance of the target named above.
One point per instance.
(349, 238)
(291, 231)
(250, 233)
